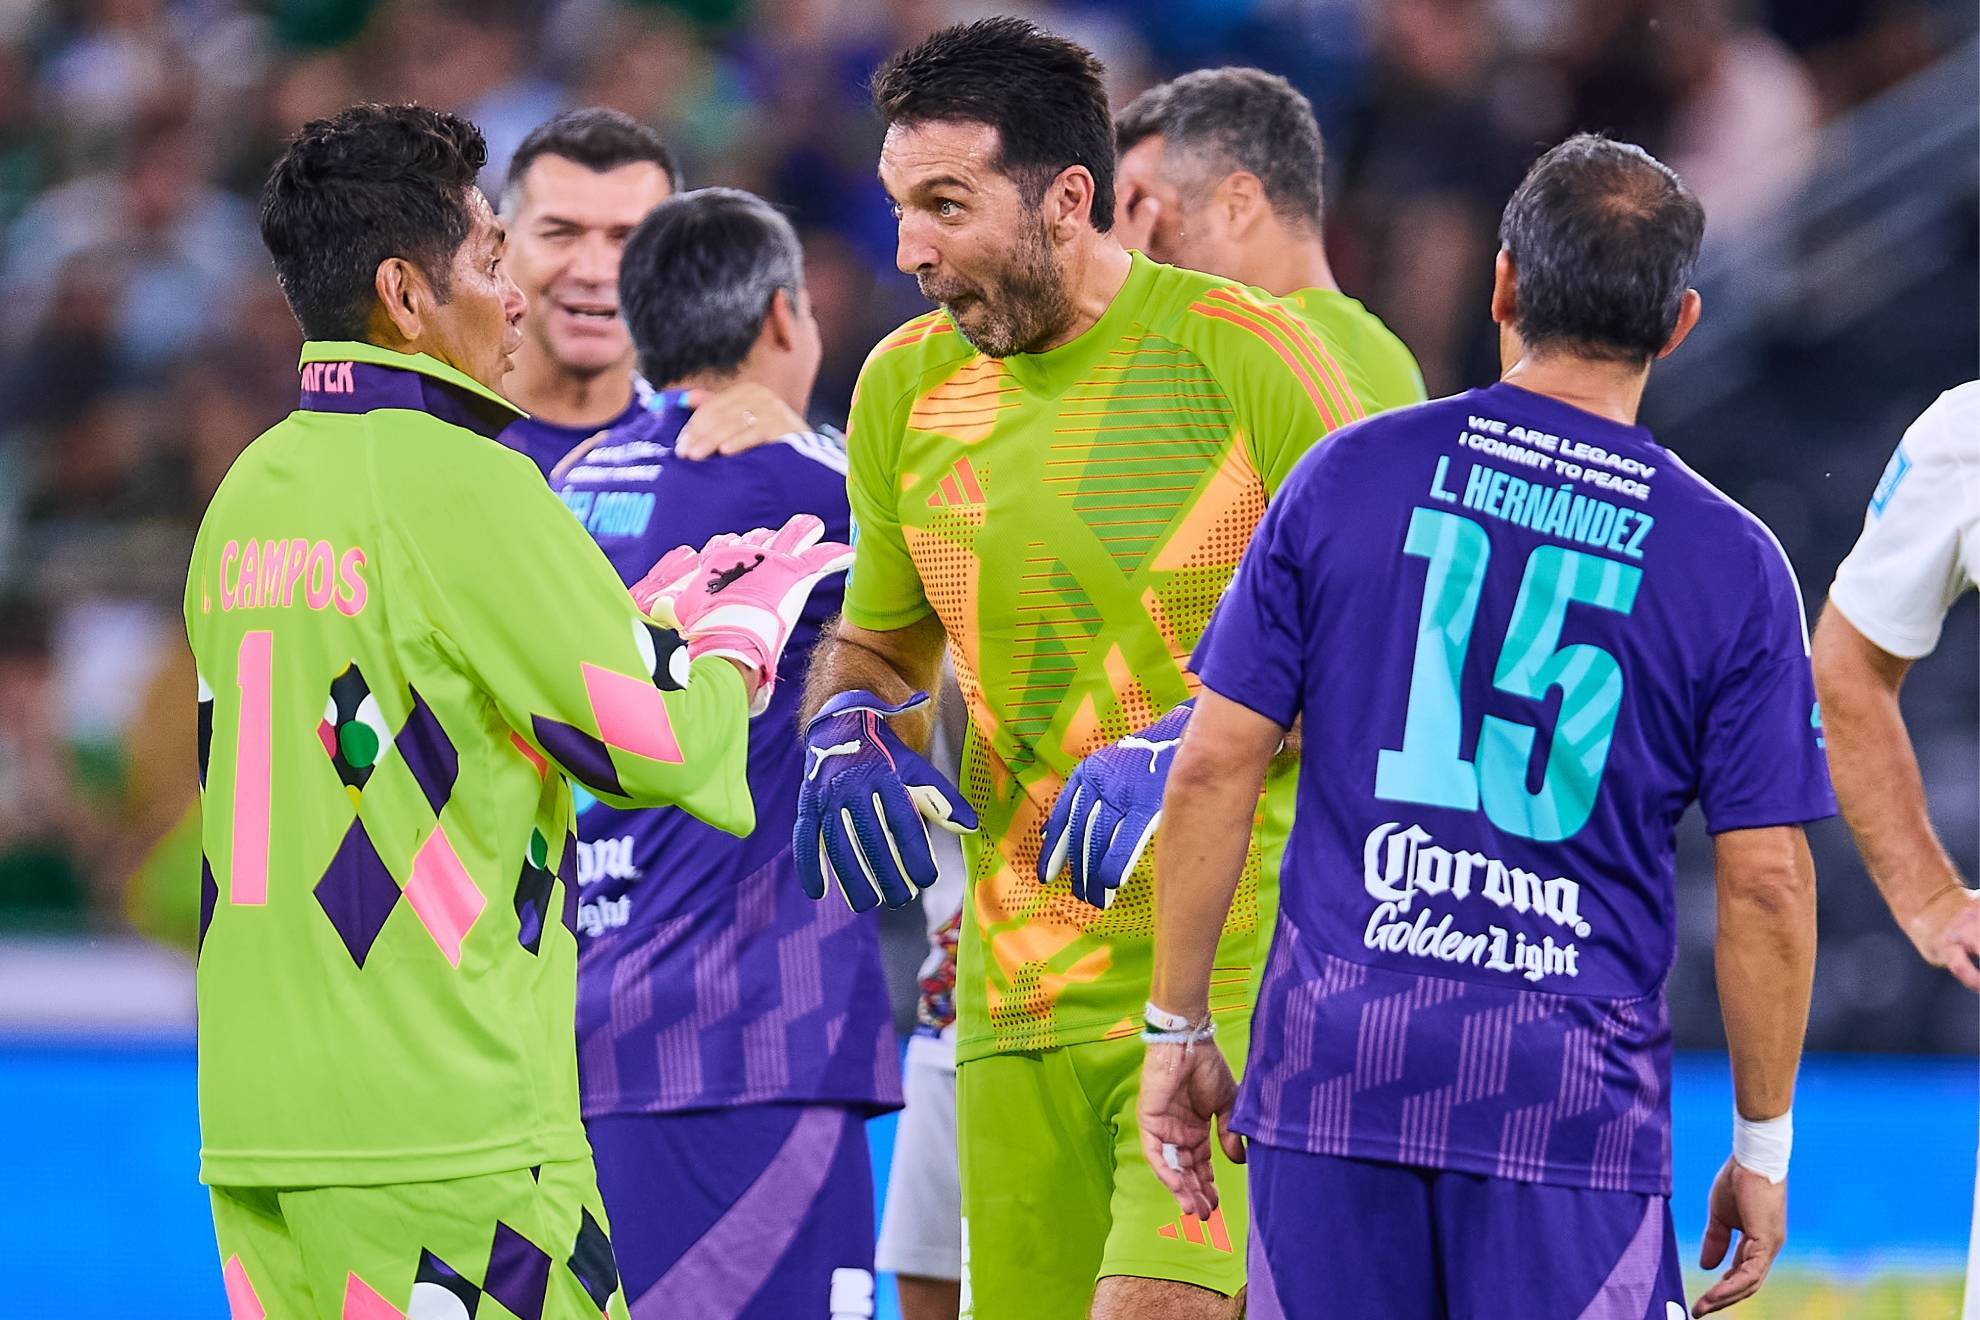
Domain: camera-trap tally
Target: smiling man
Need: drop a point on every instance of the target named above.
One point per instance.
(577, 187)
(1054, 471)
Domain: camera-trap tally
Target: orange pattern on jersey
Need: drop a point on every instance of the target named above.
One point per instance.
(1300, 334)
(1131, 701)
(920, 328)
(1296, 348)
(965, 406)
(1217, 526)
(1178, 648)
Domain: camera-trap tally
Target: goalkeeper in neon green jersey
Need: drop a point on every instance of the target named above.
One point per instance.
(404, 645)
(1055, 473)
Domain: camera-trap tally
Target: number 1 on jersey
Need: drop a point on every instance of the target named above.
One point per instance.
(254, 672)
(1428, 768)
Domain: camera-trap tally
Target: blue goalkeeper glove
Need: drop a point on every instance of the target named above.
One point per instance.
(863, 805)
(1108, 810)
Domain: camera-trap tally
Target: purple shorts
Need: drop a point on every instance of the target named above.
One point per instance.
(1337, 1237)
(761, 1212)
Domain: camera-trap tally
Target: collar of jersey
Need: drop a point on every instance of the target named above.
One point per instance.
(1314, 296)
(1058, 367)
(335, 350)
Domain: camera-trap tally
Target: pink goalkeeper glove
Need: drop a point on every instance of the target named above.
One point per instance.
(740, 596)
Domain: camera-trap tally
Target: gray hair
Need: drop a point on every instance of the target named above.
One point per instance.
(697, 279)
(1237, 119)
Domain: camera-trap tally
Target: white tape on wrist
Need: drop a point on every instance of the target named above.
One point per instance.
(1160, 1027)
(1764, 1147)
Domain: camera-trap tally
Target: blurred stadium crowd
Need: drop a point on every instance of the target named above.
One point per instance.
(144, 341)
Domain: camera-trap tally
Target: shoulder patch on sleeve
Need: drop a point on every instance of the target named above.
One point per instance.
(1895, 472)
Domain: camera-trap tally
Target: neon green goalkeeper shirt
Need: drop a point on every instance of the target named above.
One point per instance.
(404, 643)
(1072, 517)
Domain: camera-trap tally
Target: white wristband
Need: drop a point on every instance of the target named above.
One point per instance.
(1763, 1147)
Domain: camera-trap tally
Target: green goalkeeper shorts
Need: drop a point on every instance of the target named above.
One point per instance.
(527, 1245)
(1057, 1195)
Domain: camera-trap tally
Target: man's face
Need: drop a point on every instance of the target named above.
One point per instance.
(969, 239)
(1181, 228)
(477, 328)
(567, 230)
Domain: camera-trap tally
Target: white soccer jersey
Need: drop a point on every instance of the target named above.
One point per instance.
(1920, 550)
(1920, 547)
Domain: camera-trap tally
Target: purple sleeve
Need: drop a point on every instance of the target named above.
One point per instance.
(1763, 761)
(1254, 651)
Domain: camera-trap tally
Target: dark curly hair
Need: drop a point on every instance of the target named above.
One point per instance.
(350, 191)
(1043, 94)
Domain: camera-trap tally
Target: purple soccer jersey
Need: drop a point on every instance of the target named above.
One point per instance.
(1524, 639)
(545, 443)
(706, 978)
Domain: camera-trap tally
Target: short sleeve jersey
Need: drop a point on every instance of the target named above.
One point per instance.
(706, 977)
(405, 645)
(1524, 639)
(1920, 547)
(1343, 324)
(1072, 517)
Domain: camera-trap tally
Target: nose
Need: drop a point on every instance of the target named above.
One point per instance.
(912, 248)
(514, 304)
(596, 261)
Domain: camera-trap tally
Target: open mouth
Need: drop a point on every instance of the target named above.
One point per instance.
(591, 313)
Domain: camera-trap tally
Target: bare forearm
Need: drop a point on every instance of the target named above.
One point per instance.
(892, 666)
(1199, 858)
(1766, 961)
(1207, 811)
(1875, 770)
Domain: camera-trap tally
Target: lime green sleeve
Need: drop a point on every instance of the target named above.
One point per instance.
(1323, 393)
(884, 590)
(1289, 388)
(533, 612)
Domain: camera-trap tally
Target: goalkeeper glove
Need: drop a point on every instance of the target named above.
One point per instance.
(740, 596)
(863, 805)
(1108, 810)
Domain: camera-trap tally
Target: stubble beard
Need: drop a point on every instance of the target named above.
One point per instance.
(1025, 306)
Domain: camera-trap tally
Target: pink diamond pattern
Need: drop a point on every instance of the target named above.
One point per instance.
(443, 895)
(242, 1304)
(362, 1302)
(631, 714)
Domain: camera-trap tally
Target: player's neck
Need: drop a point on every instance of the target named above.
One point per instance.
(1289, 263)
(1608, 389)
(1096, 268)
(542, 389)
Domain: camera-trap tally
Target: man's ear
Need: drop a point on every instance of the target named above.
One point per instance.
(404, 297)
(1241, 195)
(780, 325)
(1505, 290)
(1689, 310)
(1069, 203)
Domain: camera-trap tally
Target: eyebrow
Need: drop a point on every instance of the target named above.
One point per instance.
(934, 183)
